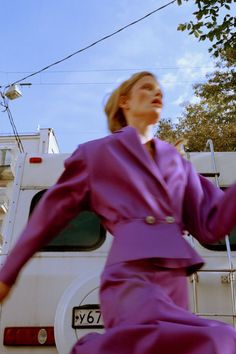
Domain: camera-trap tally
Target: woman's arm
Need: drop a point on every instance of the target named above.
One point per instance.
(209, 213)
(58, 206)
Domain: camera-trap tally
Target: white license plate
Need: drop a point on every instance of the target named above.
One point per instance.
(87, 316)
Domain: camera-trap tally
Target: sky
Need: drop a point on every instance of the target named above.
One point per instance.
(70, 96)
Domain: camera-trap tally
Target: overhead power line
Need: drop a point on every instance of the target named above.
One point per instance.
(178, 83)
(98, 83)
(96, 42)
(113, 70)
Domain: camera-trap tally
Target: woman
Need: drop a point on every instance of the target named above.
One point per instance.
(146, 194)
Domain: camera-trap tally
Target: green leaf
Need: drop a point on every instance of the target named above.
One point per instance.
(211, 36)
(203, 37)
(208, 25)
(182, 27)
(199, 15)
(218, 29)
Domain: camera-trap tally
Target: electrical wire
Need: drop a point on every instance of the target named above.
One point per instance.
(96, 42)
(111, 70)
(15, 132)
(5, 103)
(98, 83)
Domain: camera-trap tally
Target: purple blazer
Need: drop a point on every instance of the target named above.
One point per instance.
(145, 204)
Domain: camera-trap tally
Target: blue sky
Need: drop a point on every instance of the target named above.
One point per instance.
(70, 96)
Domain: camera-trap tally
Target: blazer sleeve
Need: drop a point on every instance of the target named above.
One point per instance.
(59, 205)
(208, 213)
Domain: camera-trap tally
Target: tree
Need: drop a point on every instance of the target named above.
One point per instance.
(213, 21)
(213, 117)
(167, 131)
(199, 124)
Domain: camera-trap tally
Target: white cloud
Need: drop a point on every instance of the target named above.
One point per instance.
(194, 66)
(185, 97)
(169, 81)
(190, 68)
(181, 99)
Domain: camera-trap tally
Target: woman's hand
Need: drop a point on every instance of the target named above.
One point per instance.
(4, 290)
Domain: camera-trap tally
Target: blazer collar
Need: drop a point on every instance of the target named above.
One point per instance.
(128, 136)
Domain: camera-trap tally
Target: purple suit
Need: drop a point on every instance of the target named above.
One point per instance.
(146, 205)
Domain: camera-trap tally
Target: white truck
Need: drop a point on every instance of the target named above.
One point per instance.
(55, 300)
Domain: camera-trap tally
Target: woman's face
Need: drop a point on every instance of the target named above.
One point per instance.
(144, 101)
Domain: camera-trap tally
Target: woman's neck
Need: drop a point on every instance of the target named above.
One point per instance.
(145, 132)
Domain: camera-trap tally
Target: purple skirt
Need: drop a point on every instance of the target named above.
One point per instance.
(144, 310)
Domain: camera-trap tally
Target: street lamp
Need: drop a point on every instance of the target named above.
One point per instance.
(13, 91)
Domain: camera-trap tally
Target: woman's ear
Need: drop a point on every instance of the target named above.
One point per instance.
(123, 102)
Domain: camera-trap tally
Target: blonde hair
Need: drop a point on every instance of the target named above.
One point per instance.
(115, 116)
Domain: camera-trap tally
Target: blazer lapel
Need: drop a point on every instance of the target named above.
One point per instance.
(165, 158)
(129, 138)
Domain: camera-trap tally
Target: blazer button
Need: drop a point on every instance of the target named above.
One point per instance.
(150, 219)
(170, 219)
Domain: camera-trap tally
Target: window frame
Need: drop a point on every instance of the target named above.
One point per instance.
(69, 248)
